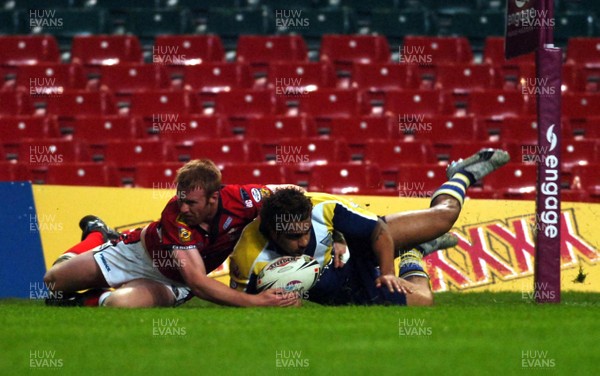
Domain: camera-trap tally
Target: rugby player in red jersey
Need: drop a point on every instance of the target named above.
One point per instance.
(167, 262)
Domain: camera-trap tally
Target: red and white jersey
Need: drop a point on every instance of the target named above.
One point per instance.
(238, 205)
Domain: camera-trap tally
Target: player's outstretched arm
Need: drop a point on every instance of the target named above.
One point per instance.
(383, 246)
(204, 287)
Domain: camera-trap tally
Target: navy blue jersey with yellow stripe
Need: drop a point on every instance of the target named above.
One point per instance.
(253, 251)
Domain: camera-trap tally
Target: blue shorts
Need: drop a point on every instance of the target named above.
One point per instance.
(354, 283)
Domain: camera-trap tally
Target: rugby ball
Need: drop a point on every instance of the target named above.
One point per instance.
(289, 273)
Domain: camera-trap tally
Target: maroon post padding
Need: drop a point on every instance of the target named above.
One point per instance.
(523, 26)
(548, 218)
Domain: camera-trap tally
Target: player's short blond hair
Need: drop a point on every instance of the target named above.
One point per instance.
(199, 174)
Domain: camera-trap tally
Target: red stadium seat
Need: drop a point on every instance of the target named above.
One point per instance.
(255, 173)
(586, 128)
(491, 103)
(16, 128)
(521, 128)
(513, 181)
(358, 131)
(82, 173)
(43, 152)
(10, 171)
(578, 153)
(580, 105)
(19, 50)
(587, 180)
(222, 151)
(326, 103)
(128, 153)
(345, 50)
(586, 79)
(97, 130)
(217, 77)
(45, 79)
(159, 105)
(437, 49)
(157, 176)
(389, 155)
(305, 152)
(125, 155)
(260, 50)
(455, 77)
(409, 103)
(183, 130)
(584, 51)
(129, 78)
(493, 53)
(245, 103)
(272, 128)
(102, 128)
(343, 178)
(420, 181)
(378, 77)
(569, 78)
(93, 51)
(80, 102)
(178, 51)
(442, 131)
(15, 103)
(514, 76)
(298, 78)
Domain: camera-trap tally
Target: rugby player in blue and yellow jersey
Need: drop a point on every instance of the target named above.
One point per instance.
(293, 223)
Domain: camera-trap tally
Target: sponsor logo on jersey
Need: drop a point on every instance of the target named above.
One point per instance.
(227, 223)
(244, 195)
(256, 194)
(248, 203)
(327, 241)
(264, 192)
(185, 235)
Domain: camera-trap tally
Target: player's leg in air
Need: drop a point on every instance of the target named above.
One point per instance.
(408, 228)
(94, 232)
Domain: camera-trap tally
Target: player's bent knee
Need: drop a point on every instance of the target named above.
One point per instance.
(50, 280)
(445, 216)
(139, 294)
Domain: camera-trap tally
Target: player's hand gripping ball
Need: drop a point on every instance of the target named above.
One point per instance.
(289, 273)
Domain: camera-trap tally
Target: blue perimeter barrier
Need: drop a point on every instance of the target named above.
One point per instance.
(21, 257)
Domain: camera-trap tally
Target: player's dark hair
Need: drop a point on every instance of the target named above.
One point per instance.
(199, 173)
(286, 203)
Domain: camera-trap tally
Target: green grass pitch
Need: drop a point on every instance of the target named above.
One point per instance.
(464, 334)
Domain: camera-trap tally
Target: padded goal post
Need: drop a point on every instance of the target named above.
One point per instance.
(530, 27)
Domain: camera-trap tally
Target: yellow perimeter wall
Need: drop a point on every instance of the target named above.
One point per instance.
(494, 253)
